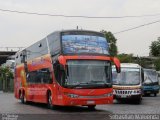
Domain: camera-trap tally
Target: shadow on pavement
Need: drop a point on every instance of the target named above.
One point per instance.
(127, 101)
(67, 108)
(66, 113)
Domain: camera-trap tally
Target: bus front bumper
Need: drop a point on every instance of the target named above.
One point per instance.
(85, 97)
(83, 101)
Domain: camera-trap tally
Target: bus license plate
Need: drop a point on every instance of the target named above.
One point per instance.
(90, 102)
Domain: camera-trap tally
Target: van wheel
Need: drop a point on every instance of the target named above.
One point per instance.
(91, 107)
(49, 101)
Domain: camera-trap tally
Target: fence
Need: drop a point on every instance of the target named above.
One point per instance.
(6, 85)
(1, 85)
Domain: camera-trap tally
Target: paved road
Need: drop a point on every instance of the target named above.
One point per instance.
(10, 105)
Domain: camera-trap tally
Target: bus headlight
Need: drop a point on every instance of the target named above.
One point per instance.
(72, 95)
(108, 95)
(114, 92)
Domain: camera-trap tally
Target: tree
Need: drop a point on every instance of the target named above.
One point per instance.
(155, 48)
(142, 62)
(157, 64)
(125, 58)
(112, 42)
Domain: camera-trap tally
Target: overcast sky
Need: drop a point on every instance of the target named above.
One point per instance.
(23, 30)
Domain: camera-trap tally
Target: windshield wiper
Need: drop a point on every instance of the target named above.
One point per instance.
(92, 82)
(97, 81)
(78, 84)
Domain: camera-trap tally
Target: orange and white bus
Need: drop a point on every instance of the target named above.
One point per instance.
(66, 68)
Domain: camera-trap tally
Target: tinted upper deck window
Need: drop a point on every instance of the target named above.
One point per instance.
(84, 42)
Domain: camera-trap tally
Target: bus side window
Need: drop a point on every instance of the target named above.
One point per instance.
(59, 74)
(40, 76)
(28, 77)
(46, 75)
(31, 77)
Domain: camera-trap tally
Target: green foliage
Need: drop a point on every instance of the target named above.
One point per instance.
(142, 62)
(157, 64)
(6, 78)
(5, 72)
(125, 58)
(112, 40)
(128, 58)
(155, 48)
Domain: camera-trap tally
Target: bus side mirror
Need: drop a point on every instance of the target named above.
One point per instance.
(118, 69)
(62, 62)
(117, 64)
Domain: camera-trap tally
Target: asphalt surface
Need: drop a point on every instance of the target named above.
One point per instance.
(10, 107)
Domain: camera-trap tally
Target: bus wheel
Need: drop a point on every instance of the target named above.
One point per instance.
(49, 101)
(91, 107)
(23, 98)
(155, 94)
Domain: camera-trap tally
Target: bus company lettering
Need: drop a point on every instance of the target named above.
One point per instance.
(36, 91)
(38, 62)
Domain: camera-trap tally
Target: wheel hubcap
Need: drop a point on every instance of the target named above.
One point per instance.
(50, 99)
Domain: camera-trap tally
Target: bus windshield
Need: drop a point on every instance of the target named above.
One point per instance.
(79, 44)
(128, 76)
(151, 75)
(88, 73)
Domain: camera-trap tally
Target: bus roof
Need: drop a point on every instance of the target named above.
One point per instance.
(78, 30)
(61, 31)
(50, 42)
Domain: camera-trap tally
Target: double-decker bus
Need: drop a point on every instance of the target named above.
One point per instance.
(151, 82)
(66, 68)
(127, 85)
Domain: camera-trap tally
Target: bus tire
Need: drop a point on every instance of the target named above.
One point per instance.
(91, 107)
(49, 100)
(155, 94)
(23, 97)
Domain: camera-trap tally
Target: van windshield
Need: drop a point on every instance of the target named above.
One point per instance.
(128, 76)
(151, 75)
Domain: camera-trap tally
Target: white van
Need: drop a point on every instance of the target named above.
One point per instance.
(128, 83)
